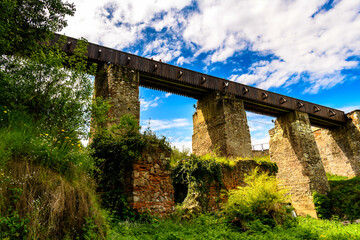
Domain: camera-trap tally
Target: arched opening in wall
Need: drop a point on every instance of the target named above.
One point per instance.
(259, 131)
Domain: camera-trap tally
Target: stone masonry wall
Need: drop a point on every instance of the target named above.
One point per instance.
(340, 147)
(220, 124)
(121, 87)
(150, 188)
(293, 148)
(214, 197)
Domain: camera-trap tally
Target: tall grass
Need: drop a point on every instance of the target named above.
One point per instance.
(214, 227)
(49, 205)
(23, 139)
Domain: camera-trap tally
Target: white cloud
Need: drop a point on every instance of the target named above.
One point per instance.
(318, 46)
(163, 50)
(348, 109)
(145, 105)
(119, 24)
(182, 143)
(259, 129)
(181, 60)
(156, 125)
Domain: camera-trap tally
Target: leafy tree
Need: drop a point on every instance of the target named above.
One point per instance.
(42, 81)
(53, 88)
(25, 23)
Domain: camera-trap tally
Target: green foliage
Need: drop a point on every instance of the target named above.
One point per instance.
(12, 226)
(90, 230)
(26, 140)
(25, 23)
(197, 171)
(323, 205)
(44, 112)
(195, 174)
(260, 202)
(44, 87)
(192, 177)
(212, 227)
(333, 177)
(343, 200)
(266, 163)
(177, 155)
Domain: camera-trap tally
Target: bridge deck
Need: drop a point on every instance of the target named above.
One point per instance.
(169, 78)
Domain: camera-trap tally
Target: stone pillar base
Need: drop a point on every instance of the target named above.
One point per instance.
(220, 125)
(293, 148)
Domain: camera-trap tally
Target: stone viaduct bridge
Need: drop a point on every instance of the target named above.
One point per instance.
(303, 156)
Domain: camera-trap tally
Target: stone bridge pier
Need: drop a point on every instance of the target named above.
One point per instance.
(220, 124)
(340, 147)
(293, 148)
(148, 185)
(120, 86)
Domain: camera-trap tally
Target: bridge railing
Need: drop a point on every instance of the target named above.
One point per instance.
(260, 146)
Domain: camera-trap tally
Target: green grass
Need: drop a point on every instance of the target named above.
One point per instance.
(213, 227)
(265, 158)
(334, 178)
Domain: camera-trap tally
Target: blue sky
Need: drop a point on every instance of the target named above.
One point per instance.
(308, 49)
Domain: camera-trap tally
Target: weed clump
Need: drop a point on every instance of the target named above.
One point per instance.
(259, 204)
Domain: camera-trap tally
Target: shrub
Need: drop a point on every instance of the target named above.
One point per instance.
(343, 200)
(261, 202)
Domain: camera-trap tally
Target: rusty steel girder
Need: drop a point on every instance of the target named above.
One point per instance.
(185, 82)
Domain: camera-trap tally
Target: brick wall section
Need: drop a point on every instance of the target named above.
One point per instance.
(293, 148)
(121, 86)
(150, 189)
(340, 147)
(220, 123)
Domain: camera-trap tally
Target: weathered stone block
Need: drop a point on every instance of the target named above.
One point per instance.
(293, 148)
(220, 124)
